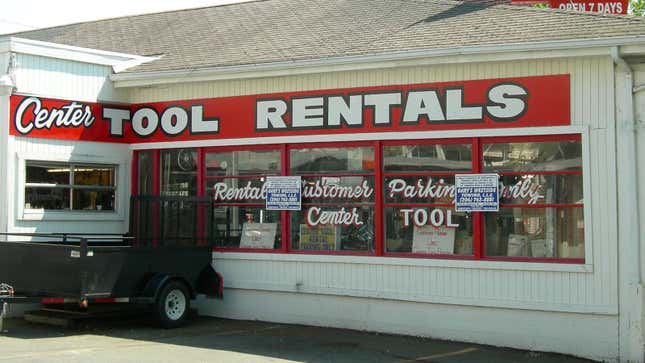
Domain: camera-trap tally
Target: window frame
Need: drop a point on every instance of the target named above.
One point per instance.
(379, 204)
(347, 144)
(30, 214)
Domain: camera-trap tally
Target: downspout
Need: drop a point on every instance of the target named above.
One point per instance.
(628, 126)
(630, 299)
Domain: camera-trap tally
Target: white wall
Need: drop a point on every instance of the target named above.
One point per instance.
(575, 296)
(69, 80)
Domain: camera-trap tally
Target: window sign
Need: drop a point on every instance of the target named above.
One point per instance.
(477, 192)
(283, 193)
(258, 235)
(430, 239)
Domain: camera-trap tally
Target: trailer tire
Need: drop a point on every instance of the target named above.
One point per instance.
(172, 305)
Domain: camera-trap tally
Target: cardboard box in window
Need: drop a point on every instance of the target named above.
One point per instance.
(541, 248)
(518, 245)
(319, 238)
(429, 239)
(258, 235)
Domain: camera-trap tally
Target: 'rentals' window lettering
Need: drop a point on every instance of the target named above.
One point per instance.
(337, 199)
(235, 180)
(69, 186)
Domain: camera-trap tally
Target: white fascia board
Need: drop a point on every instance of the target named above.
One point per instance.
(118, 61)
(483, 53)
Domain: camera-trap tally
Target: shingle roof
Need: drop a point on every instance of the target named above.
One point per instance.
(287, 30)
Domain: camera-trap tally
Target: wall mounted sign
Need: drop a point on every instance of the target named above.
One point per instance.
(592, 6)
(479, 104)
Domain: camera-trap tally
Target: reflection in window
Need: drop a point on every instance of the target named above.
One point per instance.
(434, 157)
(333, 228)
(244, 162)
(428, 230)
(179, 172)
(535, 232)
(541, 200)
(244, 227)
(234, 182)
(532, 156)
(332, 160)
(144, 172)
(63, 186)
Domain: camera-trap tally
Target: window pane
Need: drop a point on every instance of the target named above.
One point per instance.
(236, 190)
(419, 158)
(47, 173)
(88, 199)
(415, 189)
(428, 230)
(179, 172)
(144, 164)
(93, 175)
(535, 232)
(338, 228)
(332, 160)
(532, 156)
(47, 198)
(541, 189)
(244, 227)
(247, 162)
(334, 189)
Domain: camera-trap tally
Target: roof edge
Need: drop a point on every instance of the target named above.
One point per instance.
(578, 47)
(118, 61)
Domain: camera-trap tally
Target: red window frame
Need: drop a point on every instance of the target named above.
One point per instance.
(377, 165)
(525, 139)
(203, 178)
(384, 204)
(379, 176)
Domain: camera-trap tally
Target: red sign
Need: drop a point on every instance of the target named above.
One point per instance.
(592, 6)
(480, 104)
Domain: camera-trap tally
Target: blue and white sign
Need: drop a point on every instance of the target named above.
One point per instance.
(477, 192)
(283, 193)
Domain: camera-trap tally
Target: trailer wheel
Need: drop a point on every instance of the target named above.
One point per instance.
(173, 304)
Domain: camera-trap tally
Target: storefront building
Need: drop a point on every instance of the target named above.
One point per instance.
(180, 137)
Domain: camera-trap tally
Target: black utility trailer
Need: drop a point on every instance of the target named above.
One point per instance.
(56, 267)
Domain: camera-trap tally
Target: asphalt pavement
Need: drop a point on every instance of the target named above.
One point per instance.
(138, 339)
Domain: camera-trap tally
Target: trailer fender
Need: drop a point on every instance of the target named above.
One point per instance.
(156, 283)
(210, 283)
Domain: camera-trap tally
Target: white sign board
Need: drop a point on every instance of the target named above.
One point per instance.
(258, 235)
(283, 193)
(477, 192)
(429, 239)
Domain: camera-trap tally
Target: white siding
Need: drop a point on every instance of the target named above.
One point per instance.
(65, 79)
(591, 289)
(67, 151)
(71, 80)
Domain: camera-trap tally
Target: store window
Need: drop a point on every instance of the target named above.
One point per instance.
(179, 172)
(541, 201)
(392, 198)
(337, 199)
(234, 180)
(69, 186)
(418, 195)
